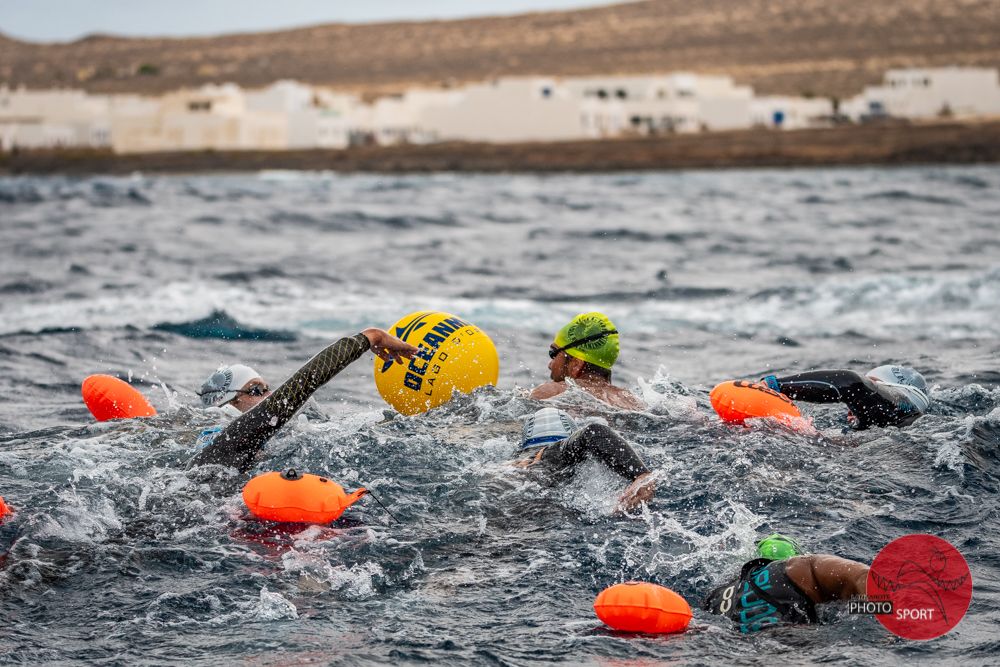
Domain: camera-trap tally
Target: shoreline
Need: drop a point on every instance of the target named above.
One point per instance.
(875, 144)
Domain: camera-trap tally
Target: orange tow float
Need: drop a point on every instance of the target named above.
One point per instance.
(108, 397)
(297, 498)
(738, 400)
(5, 510)
(637, 606)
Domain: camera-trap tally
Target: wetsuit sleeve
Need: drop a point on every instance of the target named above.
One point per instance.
(825, 386)
(870, 403)
(240, 442)
(595, 441)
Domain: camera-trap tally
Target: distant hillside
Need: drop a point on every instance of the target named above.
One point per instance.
(824, 47)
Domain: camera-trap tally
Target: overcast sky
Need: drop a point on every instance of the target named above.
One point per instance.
(60, 20)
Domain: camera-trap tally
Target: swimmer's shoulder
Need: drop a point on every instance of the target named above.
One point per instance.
(626, 400)
(548, 390)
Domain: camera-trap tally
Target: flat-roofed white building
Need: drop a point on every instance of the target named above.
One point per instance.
(622, 88)
(959, 92)
(208, 118)
(515, 109)
(387, 121)
(718, 103)
(602, 118)
(506, 110)
(316, 117)
(791, 113)
(53, 119)
(656, 104)
(401, 118)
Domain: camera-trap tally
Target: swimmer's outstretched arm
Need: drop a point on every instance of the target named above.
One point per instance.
(602, 443)
(828, 386)
(826, 578)
(869, 404)
(239, 443)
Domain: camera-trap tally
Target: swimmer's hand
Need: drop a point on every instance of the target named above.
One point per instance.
(524, 463)
(387, 347)
(640, 491)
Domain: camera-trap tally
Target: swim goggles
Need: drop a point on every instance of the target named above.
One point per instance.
(256, 390)
(554, 351)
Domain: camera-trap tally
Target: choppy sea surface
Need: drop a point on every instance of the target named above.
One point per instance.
(120, 554)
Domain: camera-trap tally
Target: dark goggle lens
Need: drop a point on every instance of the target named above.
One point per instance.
(257, 390)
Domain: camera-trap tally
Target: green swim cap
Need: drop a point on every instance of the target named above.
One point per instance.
(599, 350)
(778, 547)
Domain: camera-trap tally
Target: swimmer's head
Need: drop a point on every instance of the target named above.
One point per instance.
(237, 384)
(546, 427)
(778, 547)
(907, 379)
(899, 375)
(590, 337)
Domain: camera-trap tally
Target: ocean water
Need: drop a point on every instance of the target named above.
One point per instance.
(120, 554)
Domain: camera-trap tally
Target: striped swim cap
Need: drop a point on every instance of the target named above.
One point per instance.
(545, 427)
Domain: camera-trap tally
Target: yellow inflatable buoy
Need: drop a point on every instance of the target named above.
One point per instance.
(454, 356)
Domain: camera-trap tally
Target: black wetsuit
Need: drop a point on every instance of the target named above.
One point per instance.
(239, 443)
(592, 441)
(871, 403)
(762, 595)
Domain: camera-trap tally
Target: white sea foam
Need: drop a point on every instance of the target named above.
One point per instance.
(274, 607)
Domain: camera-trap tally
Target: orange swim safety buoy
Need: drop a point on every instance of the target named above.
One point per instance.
(4, 510)
(739, 400)
(297, 498)
(637, 606)
(108, 397)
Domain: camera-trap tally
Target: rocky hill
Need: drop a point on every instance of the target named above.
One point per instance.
(778, 46)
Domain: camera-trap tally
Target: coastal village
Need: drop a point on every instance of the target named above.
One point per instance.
(289, 115)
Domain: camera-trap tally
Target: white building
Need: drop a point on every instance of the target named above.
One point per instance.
(291, 115)
(401, 119)
(315, 117)
(545, 109)
(386, 121)
(959, 92)
(209, 118)
(791, 113)
(53, 119)
(612, 106)
(667, 103)
(506, 111)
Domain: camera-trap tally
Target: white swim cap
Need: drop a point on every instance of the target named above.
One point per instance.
(221, 386)
(908, 380)
(545, 427)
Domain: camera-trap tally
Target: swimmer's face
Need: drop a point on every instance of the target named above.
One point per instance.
(559, 366)
(252, 393)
